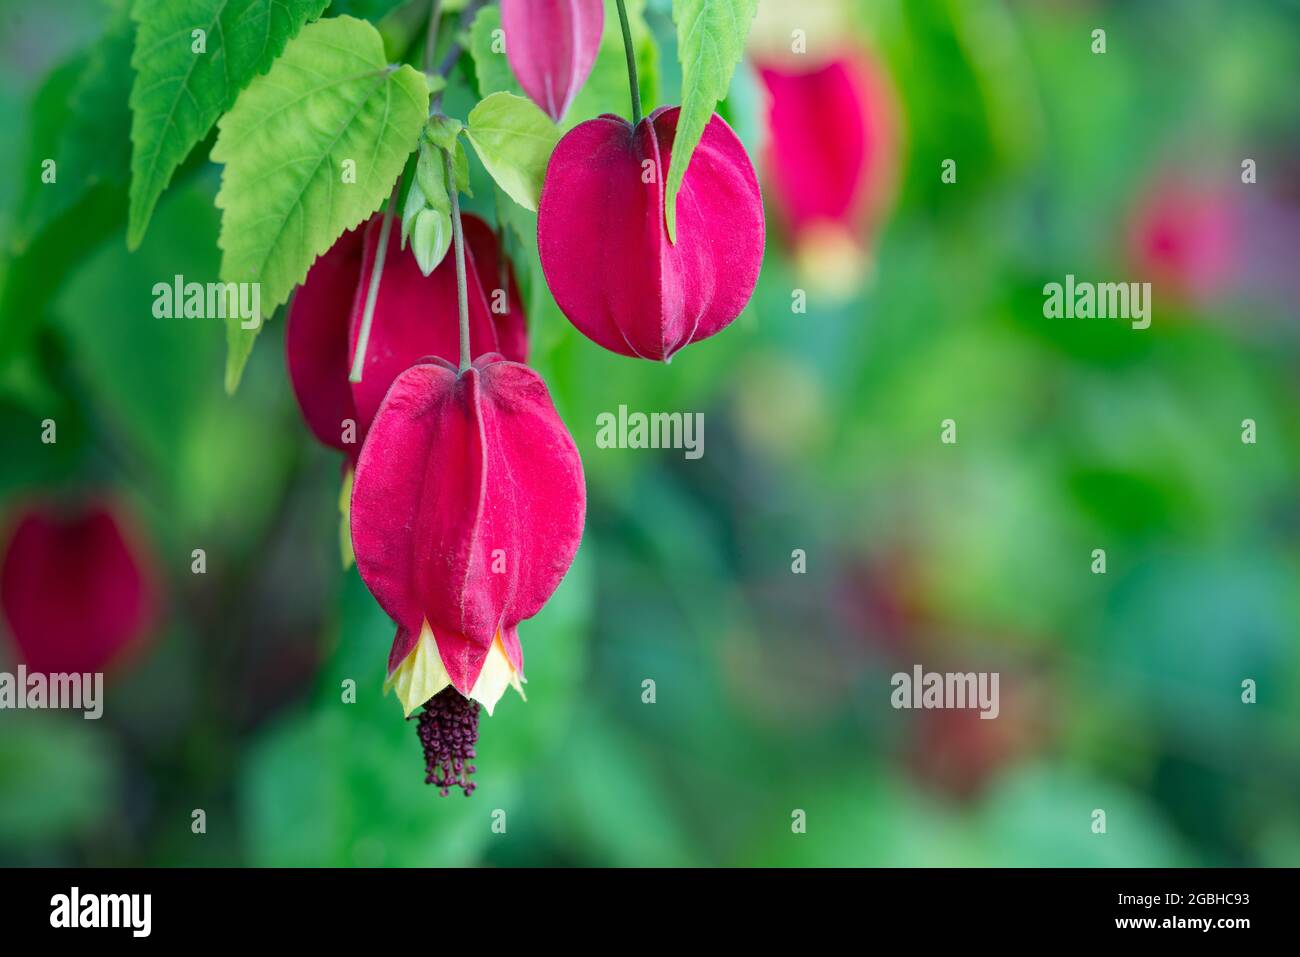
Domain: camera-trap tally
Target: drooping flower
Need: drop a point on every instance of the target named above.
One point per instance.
(467, 509)
(415, 316)
(831, 158)
(604, 242)
(551, 46)
(77, 587)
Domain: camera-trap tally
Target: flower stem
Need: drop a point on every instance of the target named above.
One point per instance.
(431, 34)
(631, 64)
(453, 54)
(372, 294)
(458, 237)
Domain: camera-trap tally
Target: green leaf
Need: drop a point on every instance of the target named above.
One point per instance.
(490, 65)
(83, 129)
(185, 80)
(58, 778)
(147, 375)
(710, 42)
(330, 111)
(514, 139)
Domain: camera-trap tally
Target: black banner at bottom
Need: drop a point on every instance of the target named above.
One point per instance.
(387, 907)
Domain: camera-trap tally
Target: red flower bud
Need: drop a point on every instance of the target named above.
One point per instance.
(76, 587)
(604, 242)
(467, 509)
(551, 46)
(831, 153)
(415, 316)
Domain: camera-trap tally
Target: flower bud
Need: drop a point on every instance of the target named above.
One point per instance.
(551, 46)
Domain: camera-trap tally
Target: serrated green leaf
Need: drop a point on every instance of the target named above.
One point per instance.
(330, 110)
(490, 65)
(179, 93)
(514, 139)
(710, 42)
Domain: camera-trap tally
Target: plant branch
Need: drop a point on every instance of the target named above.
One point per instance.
(631, 64)
(452, 56)
(462, 286)
(431, 33)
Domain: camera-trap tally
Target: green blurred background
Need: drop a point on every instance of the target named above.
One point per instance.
(1119, 691)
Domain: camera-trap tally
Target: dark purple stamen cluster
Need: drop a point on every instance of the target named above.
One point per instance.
(448, 731)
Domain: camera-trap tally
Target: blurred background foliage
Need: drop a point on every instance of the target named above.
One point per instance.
(1119, 691)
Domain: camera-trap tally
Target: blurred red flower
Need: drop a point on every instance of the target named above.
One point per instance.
(831, 157)
(77, 586)
(1183, 237)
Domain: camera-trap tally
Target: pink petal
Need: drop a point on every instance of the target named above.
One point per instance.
(604, 243)
(551, 46)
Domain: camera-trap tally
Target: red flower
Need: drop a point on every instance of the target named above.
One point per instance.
(415, 316)
(551, 46)
(467, 509)
(77, 588)
(604, 242)
(831, 155)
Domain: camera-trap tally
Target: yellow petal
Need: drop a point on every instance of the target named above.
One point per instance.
(422, 675)
(497, 674)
